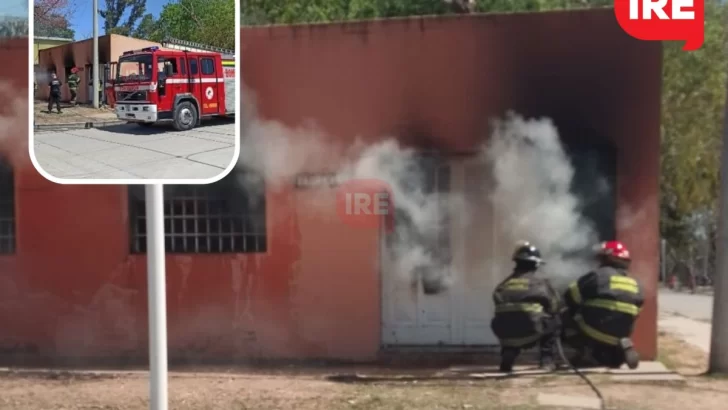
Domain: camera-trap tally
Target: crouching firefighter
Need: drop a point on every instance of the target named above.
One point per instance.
(602, 307)
(526, 311)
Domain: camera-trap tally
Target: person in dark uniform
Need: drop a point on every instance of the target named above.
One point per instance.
(527, 311)
(602, 307)
(55, 93)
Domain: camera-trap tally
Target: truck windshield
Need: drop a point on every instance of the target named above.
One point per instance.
(134, 68)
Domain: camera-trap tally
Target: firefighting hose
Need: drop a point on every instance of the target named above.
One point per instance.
(595, 389)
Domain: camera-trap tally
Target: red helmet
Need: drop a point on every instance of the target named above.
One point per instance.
(614, 253)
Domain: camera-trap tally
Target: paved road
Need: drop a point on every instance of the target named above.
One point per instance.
(697, 307)
(687, 316)
(130, 151)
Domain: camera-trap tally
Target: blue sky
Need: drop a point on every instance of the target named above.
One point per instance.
(82, 19)
(15, 8)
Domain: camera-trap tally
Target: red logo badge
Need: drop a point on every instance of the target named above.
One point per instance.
(663, 20)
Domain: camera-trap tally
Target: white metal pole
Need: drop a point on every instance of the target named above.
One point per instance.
(156, 283)
(719, 337)
(96, 55)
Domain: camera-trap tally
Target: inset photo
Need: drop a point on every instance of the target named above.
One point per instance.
(134, 92)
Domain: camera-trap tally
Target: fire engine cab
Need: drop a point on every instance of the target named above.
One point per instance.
(154, 85)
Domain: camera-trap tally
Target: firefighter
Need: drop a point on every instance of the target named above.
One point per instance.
(526, 311)
(54, 95)
(73, 81)
(602, 307)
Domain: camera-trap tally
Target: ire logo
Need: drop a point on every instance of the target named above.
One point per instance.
(663, 20)
(365, 203)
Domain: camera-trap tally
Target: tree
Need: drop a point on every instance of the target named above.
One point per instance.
(147, 29)
(61, 29)
(51, 18)
(210, 22)
(692, 111)
(13, 27)
(115, 10)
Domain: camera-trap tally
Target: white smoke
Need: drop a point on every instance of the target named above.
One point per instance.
(531, 194)
(13, 123)
(279, 153)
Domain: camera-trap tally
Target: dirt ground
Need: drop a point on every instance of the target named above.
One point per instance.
(302, 390)
(70, 114)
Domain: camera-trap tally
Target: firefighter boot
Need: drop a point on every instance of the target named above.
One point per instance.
(547, 363)
(631, 357)
(508, 358)
(547, 346)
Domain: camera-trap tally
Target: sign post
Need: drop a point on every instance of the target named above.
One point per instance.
(718, 361)
(156, 284)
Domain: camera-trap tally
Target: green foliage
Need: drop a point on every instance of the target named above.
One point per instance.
(694, 91)
(54, 31)
(115, 10)
(694, 94)
(210, 22)
(13, 27)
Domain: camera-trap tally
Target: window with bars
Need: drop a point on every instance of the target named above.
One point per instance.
(7, 209)
(225, 217)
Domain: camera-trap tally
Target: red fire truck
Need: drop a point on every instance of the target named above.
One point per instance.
(154, 85)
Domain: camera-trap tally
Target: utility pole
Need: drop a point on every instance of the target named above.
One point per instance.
(719, 336)
(157, 296)
(95, 73)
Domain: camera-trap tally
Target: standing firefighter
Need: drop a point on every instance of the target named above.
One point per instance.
(73, 81)
(602, 308)
(526, 311)
(54, 95)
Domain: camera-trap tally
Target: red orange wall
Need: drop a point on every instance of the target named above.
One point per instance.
(72, 289)
(435, 83)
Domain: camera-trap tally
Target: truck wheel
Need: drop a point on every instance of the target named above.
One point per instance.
(185, 116)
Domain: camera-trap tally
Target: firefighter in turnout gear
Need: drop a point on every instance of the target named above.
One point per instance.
(602, 307)
(54, 93)
(73, 81)
(526, 311)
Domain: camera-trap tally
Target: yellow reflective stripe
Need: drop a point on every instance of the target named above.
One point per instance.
(623, 283)
(575, 293)
(516, 284)
(519, 307)
(594, 333)
(614, 305)
(518, 342)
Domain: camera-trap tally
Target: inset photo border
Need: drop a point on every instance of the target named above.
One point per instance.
(164, 112)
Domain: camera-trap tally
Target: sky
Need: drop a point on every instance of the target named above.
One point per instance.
(14, 8)
(82, 19)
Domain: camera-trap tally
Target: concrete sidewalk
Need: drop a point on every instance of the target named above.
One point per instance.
(694, 332)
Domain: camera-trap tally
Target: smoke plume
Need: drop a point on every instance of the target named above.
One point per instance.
(531, 191)
(532, 196)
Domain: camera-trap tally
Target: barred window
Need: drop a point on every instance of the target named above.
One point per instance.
(7, 209)
(225, 217)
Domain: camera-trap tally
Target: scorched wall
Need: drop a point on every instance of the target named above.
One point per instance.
(73, 289)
